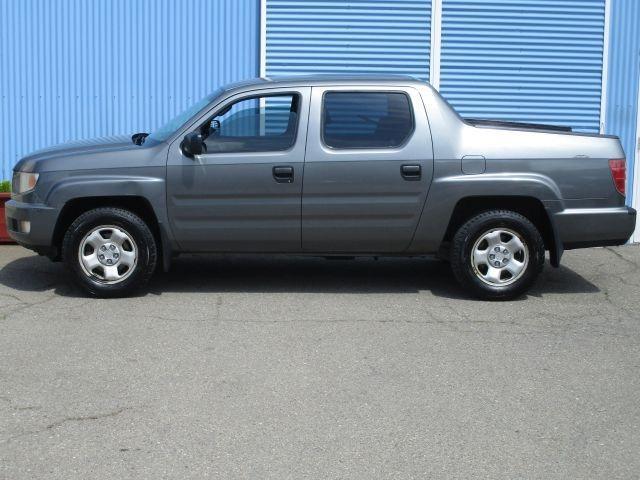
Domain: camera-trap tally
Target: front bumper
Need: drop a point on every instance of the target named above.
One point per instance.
(42, 220)
(595, 227)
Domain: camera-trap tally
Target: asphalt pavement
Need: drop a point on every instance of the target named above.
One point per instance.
(289, 367)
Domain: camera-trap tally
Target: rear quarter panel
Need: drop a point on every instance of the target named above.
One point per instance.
(559, 169)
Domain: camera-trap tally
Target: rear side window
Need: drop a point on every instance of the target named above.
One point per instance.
(366, 119)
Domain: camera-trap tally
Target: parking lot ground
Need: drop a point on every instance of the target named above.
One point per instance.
(267, 367)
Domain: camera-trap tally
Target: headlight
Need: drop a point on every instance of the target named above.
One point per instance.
(24, 182)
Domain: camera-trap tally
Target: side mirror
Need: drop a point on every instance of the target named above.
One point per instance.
(193, 144)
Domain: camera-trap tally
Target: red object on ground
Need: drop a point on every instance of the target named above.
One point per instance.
(4, 234)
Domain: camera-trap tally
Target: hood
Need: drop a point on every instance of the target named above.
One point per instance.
(42, 160)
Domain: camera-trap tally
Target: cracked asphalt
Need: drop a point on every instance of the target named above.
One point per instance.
(233, 367)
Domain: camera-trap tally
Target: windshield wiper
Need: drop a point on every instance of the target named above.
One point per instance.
(138, 138)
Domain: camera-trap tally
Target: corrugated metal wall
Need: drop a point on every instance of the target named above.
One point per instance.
(624, 75)
(83, 68)
(357, 36)
(524, 60)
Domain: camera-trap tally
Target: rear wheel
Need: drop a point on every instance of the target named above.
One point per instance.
(497, 254)
(110, 252)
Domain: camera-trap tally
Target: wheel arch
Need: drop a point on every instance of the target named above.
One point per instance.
(75, 207)
(529, 207)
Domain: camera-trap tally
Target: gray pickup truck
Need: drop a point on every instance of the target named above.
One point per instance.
(328, 166)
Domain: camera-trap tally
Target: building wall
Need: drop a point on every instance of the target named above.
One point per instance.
(348, 37)
(536, 61)
(623, 79)
(73, 69)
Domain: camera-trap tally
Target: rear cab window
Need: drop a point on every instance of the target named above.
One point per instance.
(362, 120)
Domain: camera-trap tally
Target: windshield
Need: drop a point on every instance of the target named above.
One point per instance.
(169, 128)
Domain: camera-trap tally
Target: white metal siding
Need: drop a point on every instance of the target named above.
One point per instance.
(622, 117)
(357, 36)
(524, 60)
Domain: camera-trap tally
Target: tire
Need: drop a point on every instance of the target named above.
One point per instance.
(497, 255)
(125, 244)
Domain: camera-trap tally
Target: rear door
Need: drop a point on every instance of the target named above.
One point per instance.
(368, 166)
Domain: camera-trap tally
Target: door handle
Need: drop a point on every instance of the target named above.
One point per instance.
(283, 174)
(411, 172)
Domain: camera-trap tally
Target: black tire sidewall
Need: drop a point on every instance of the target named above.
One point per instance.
(134, 226)
(468, 234)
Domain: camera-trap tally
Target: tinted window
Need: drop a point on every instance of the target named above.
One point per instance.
(366, 120)
(262, 124)
(169, 128)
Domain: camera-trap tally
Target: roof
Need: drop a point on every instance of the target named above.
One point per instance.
(318, 80)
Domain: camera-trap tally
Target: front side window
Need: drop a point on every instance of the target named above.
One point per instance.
(256, 124)
(366, 119)
(164, 132)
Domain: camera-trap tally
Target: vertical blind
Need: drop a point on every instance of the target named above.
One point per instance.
(348, 37)
(534, 61)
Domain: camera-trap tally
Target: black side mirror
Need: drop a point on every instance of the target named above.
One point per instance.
(193, 144)
(138, 138)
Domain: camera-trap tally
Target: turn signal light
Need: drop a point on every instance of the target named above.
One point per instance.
(618, 167)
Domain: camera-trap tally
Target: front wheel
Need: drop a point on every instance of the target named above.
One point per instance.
(111, 252)
(497, 255)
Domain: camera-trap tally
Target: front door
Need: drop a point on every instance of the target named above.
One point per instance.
(243, 194)
(368, 168)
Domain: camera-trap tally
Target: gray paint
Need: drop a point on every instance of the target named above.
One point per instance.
(228, 202)
(340, 201)
(473, 164)
(357, 200)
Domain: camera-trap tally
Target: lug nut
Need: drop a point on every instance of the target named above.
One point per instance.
(101, 257)
(492, 256)
(109, 262)
(103, 248)
(112, 247)
(497, 249)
